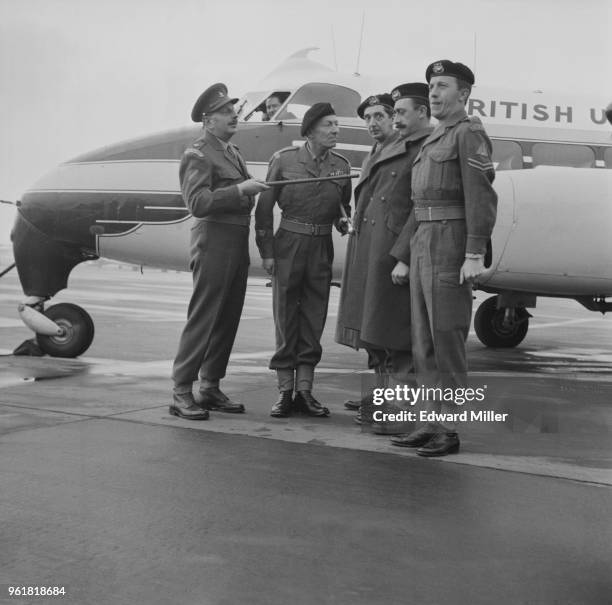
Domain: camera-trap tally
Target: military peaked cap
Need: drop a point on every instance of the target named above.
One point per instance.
(213, 98)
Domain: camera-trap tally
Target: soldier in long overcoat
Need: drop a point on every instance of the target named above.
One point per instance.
(377, 293)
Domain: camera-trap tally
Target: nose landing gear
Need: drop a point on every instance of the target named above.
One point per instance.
(75, 334)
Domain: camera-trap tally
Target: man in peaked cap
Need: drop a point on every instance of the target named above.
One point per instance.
(219, 193)
(299, 256)
(455, 210)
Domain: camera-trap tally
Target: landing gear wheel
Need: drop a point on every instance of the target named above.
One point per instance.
(491, 329)
(77, 335)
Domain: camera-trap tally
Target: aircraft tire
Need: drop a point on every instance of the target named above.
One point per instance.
(78, 331)
(488, 324)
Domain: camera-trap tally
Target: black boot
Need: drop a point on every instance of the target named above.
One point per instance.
(215, 400)
(184, 406)
(282, 408)
(307, 404)
(440, 444)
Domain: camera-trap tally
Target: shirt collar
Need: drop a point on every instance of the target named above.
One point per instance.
(224, 144)
(313, 156)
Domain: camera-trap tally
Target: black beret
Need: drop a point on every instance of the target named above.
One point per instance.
(213, 98)
(382, 99)
(414, 90)
(449, 68)
(314, 114)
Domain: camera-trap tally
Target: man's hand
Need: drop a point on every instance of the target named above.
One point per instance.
(342, 225)
(400, 273)
(471, 269)
(252, 187)
(268, 265)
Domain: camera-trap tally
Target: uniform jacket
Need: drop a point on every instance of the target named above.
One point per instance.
(209, 177)
(314, 203)
(379, 310)
(454, 167)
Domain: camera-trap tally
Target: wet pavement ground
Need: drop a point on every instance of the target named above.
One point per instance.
(105, 493)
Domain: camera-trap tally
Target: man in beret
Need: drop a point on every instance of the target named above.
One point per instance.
(219, 193)
(377, 113)
(383, 210)
(455, 210)
(299, 256)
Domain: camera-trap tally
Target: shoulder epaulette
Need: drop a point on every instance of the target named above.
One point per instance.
(276, 154)
(339, 155)
(475, 123)
(194, 151)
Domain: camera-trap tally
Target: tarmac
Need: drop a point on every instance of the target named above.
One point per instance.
(106, 494)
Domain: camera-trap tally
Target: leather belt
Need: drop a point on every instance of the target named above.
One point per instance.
(439, 213)
(228, 219)
(304, 228)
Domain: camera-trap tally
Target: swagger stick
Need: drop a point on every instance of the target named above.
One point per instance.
(312, 180)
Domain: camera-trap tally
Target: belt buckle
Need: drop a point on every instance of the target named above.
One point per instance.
(313, 229)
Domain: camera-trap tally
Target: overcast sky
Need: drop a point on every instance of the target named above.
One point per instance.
(79, 74)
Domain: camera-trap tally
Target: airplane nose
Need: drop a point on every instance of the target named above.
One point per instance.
(43, 263)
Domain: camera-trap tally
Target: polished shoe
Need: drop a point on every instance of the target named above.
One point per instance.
(215, 400)
(184, 406)
(282, 408)
(359, 418)
(305, 403)
(440, 444)
(415, 439)
(353, 405)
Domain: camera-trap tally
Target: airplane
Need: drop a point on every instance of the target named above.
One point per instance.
(123, 202)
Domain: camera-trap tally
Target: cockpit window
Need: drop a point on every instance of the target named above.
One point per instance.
(261, 106)
(344, 100)
(248, 106)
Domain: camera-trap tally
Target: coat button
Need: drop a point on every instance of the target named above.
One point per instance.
(373, 222)
(394, 173)
(365, 219)
(382, 197)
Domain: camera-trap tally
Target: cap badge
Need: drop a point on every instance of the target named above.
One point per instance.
(395, 93)
(438, 68)
(220, 93)
(373, 100)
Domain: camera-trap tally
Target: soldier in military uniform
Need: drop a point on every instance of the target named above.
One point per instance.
(219, 192)
(455, 210)
(382, 211)
(300, 254)
(377, 113)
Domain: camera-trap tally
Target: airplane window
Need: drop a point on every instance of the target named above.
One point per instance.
(553, 154)
(507, 155)
(344, 100)
(252, 106)
(608, 157)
